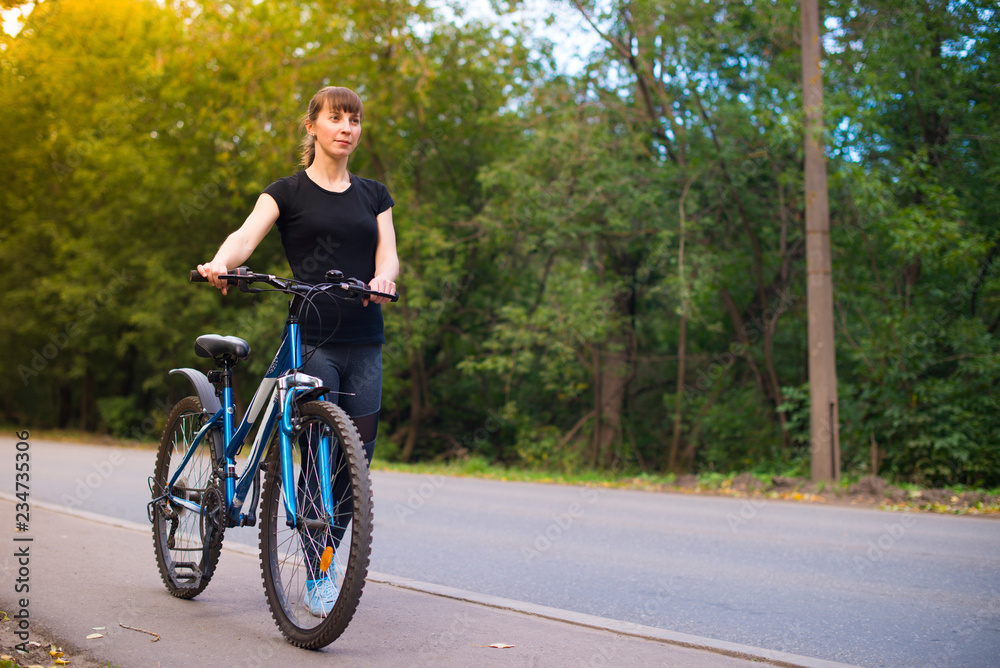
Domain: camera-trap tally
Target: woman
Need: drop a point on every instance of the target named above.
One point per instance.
(329, 218)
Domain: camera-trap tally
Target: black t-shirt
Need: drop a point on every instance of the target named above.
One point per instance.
(322, 230)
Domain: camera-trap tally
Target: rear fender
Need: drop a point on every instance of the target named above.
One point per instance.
(209, 401)
(204, 389)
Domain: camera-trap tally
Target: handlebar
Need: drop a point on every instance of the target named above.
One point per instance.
(242, 277)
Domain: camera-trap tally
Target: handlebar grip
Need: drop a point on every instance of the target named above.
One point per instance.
(394, 297)
(232, 278)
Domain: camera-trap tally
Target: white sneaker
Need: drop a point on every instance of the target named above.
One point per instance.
(320, 596)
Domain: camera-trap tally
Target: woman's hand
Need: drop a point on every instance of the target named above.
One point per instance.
(381, 284)
(211, 271)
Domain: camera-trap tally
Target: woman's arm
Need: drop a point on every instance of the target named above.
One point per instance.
(238, 246)
(386, 260)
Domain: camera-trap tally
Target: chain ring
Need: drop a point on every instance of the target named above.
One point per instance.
(213, 506)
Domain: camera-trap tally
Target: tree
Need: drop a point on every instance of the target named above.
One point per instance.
(80, 85)
(709, 83)
(574, 222)
(181, 115)
(917, 155)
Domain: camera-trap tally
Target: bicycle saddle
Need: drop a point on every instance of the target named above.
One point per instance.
(213, 345)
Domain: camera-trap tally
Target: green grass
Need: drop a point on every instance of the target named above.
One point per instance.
(77, 436)
(479, 467)
(705, 483)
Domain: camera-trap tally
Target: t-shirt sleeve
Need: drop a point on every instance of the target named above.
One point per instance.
(279, 191)
(384, 199)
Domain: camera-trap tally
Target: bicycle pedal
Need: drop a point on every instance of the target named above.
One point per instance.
(193, 577)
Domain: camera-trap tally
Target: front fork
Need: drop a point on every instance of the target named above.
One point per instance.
(290, 387)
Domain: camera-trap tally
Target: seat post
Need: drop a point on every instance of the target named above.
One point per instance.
(222, 378)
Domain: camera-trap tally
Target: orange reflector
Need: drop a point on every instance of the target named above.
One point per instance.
(326, 560)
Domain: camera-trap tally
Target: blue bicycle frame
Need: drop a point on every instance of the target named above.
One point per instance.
(280, 390)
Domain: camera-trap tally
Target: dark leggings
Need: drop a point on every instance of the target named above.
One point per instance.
(354, 375)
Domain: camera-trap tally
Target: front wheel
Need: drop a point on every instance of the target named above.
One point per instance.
(314, 567)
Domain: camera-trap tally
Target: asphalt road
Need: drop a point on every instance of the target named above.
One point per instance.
(228, 624)
(845, 584)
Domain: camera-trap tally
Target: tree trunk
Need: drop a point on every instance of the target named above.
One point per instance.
(823, 413)
(416, 408)
(612, 381)
(679, 396)
(675, 444)
(65, 406)
(88, 418)
(691, 447)
(770, 327)
(418, 397)
(742, 336)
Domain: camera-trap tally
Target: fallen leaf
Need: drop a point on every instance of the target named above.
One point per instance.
(62, 662)
(97, 628)
(499, 645)
(94, 636)
(55, 652)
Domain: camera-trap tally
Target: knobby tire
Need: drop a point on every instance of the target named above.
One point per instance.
(289, 557)
(177, 531)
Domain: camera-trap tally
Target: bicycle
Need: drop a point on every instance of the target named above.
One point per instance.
(316, 513)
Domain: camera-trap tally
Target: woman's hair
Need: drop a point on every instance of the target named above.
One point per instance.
(335, 98)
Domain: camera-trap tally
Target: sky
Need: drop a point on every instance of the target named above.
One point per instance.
(572, 38)
(10, 19)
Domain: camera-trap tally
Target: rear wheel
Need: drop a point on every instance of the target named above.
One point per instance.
(320, 550)
(179, 532)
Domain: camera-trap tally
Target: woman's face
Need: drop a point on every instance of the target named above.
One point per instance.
(337, 132)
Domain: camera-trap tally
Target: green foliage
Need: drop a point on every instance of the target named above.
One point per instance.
(919, 311)
(796, 410)
(119, 415)
(738, 433)
(540, 222)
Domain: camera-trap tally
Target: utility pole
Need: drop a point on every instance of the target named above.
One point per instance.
(824, 436)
